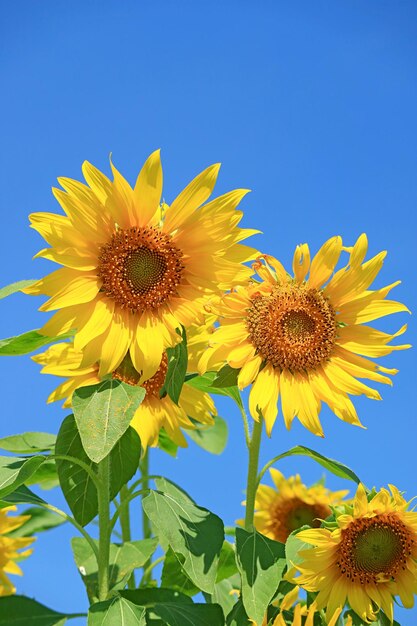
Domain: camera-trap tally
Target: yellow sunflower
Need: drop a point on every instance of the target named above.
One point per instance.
(154, 413)
(370, 557)
(291, 504)
(300, 611)
(305, 339)
(135, 270)
(9, 548)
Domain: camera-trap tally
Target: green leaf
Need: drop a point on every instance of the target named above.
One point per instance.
(381, 620)
(191, 531)
(261, 562)
(224, 593)
(116, 612)
(103, 413)
(22, 495)
(337, 468)
(8, 290)
(28, 443)
(166, 444)
(40, 520)
(227, 562)
(124, 558)
(77, 486)
(22, 611)
(177, 369)
(177, 614)
(238, 616)
(293, 547)
(46, 476)
(174, 577)
(211, 438)
(205, 383)
(226, 377)
(15, 471)
(27, 342)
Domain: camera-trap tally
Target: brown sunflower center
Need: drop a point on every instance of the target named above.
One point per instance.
(374, 549)
(292, 328)
(140, 268)
(292, 513)
(127, 373)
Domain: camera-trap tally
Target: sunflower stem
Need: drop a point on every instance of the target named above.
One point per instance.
(104, 528)
(251, 486)
(146, 526)
(124, 517)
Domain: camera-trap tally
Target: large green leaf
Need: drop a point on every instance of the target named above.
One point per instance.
(206, 383)
(166, 444)
(28, 443)
(192, 532)
(151, 595)
(8, 290)
(177, 614)
(381, 620)
(77, 486)
(39, 521)
(226, 377)
(177, 369)
(15, 471)
(238, 616)
(227, 562)
(103, 413)
(293, 546)
(261, 562)
(211, 438)
(225, 593)
(337, 468)
(22, 611)
(174, 577)
(116, 612)
(124, 558)
(27, 342)
(22, 495)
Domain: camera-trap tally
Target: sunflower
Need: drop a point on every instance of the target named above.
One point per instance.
(305, 339)
(135, 269)
(300, 611)
(155, 412)
(369, 557)
(9, 548)
(280, 511)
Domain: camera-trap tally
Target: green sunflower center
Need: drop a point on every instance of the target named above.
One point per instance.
(293, 328)
(144, 268)
(302, 515)
(377, 549)
(140, 268)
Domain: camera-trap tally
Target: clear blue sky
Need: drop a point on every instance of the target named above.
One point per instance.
(312, 105)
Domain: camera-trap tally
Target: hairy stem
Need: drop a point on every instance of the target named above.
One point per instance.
(146, 526)
(251, 485)
(104, 528)
(124, 516)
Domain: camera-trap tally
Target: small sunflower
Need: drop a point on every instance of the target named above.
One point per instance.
(9, 548)
(153, 414)
(291, 504)
(305, 339)
(136, 269)
(370, 557)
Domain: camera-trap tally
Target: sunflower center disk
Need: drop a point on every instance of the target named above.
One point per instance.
(127, 373)
(293, 328)
(374, 549)
(288, 515)
(140, 268)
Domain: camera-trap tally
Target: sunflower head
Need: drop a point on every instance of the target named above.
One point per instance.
(302, 338)
(135, 269)
(369, 558)
(290, 504)
(10, 548)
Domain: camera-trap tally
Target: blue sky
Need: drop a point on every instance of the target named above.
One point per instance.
(310, 105)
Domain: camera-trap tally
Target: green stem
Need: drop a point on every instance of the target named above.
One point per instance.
(124, 516)
(123, 504)
(150, 567)
(245, 424)
(146, 525)
(251, 486)
(104, 528)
